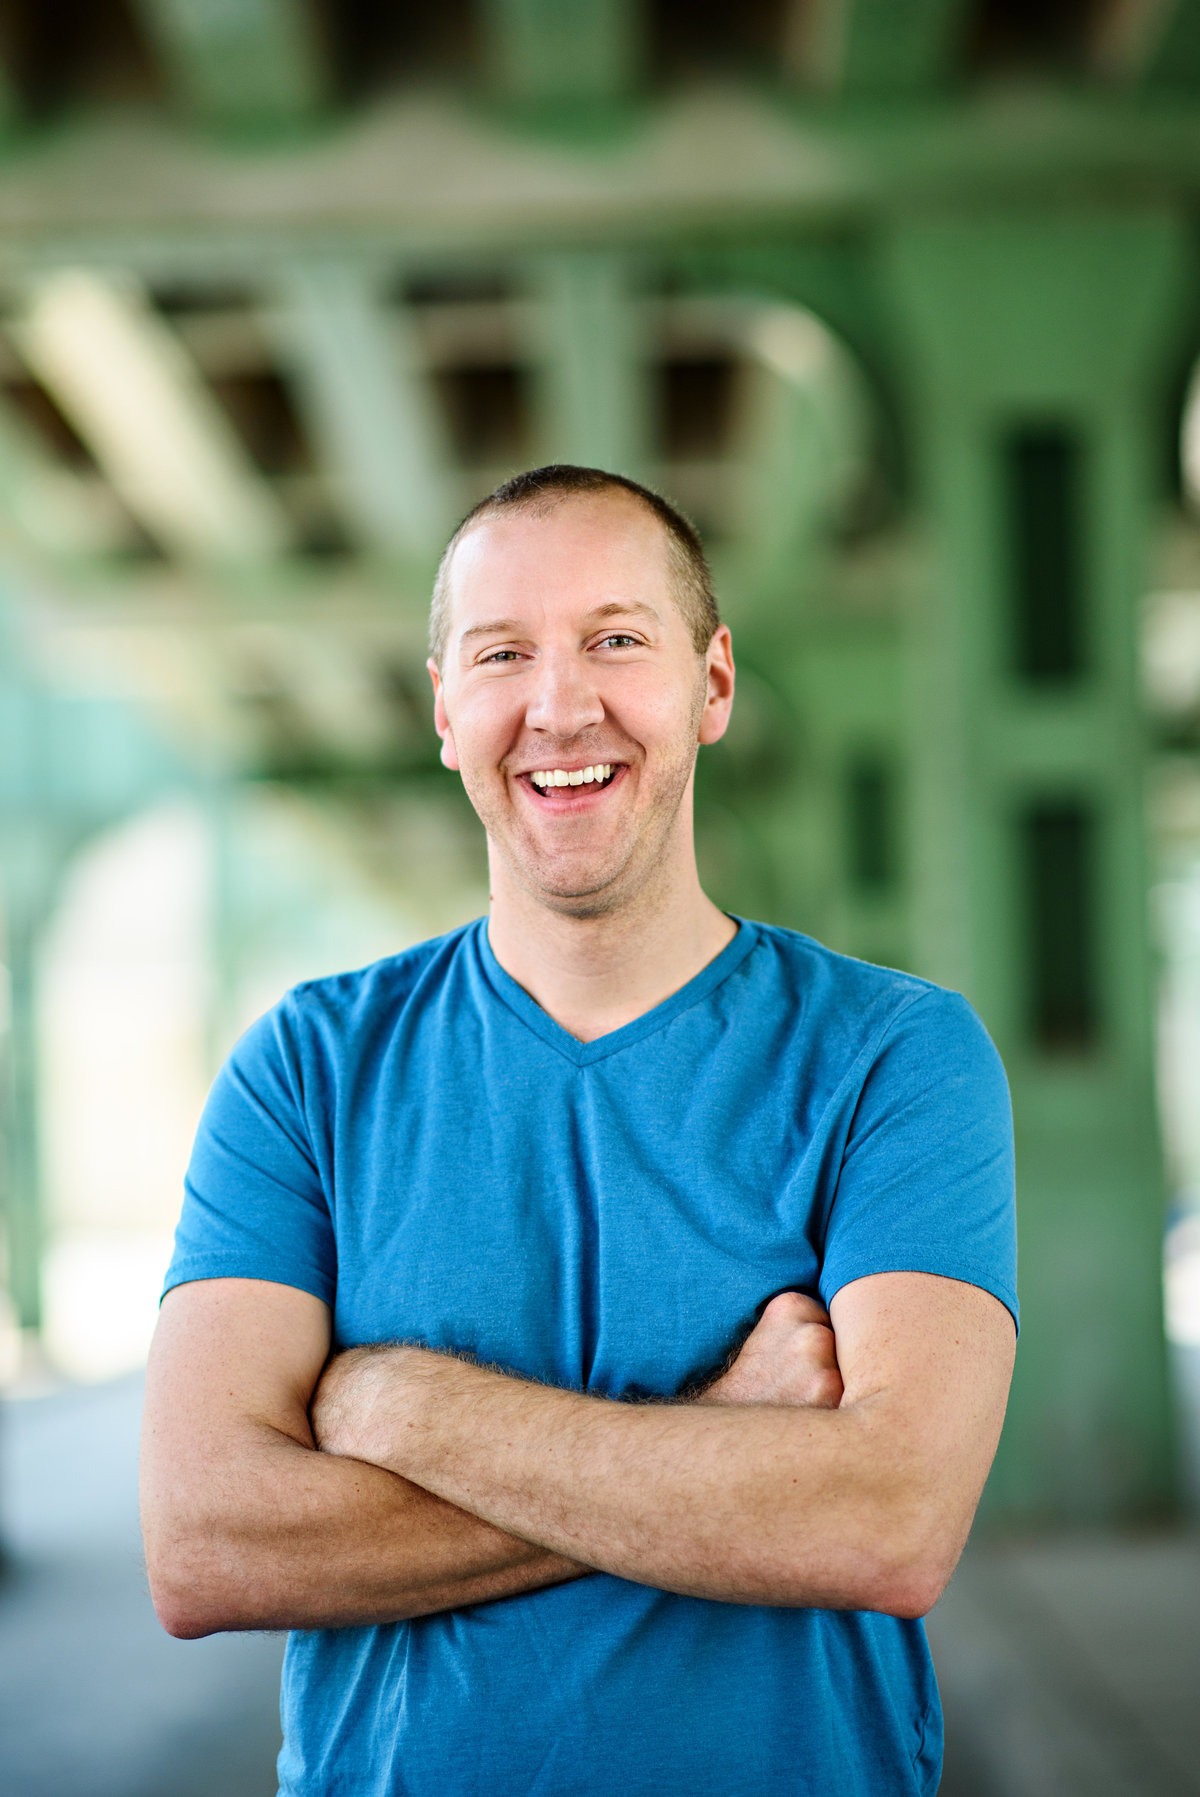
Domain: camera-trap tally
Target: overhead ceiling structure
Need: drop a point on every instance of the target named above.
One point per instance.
(284, 286)
(898, 298)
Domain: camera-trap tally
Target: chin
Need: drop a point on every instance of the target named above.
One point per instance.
(581, 904)
(582, 892)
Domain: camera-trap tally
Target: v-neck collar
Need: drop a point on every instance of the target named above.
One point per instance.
(583, 1054)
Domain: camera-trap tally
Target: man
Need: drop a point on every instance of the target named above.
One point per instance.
(528, 1179)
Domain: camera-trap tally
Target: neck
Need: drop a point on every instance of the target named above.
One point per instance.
(597, 973)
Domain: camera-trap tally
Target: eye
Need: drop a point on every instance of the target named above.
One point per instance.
(501, 655)
(619, 639)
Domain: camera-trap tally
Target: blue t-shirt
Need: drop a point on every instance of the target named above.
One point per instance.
(423, 1147)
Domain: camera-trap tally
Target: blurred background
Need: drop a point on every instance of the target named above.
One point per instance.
(900, 300)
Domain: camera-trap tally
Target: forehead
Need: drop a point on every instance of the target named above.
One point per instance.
(584, 552)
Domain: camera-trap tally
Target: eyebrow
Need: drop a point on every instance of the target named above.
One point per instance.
(497, 627)
(613, 608)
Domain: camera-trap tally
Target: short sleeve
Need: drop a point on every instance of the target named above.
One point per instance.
(926, 1181)
(254, 1207)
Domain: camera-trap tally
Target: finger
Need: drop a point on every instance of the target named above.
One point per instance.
(825, 1392)
(795, 1307)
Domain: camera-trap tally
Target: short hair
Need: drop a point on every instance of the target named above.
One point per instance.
(538, 491)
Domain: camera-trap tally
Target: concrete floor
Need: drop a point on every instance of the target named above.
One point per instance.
(1069, 1668)
(95, 1700)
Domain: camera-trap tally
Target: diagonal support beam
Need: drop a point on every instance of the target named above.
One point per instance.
(868, 48)
(590, 358)
(240, 63)
(555, 54)
(140, 404)
(46, 506)
(359, 382)
(805, 433)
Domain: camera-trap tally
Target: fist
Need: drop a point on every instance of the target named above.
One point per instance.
(790, 1357)
(342, 1406)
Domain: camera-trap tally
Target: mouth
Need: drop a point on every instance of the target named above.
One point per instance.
(558, 785)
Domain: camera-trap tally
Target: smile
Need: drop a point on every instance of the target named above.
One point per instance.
(599, 776)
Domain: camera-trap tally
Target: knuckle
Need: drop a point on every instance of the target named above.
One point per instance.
(826, 1391)
(797, 1306)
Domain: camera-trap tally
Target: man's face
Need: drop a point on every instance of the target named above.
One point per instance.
(567, 653)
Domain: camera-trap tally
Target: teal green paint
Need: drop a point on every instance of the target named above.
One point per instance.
(571, 65)
(22, 1171)
(897, 47)
(1013, 317)
(69, 767)
(357, 375)
(1173, 65)
(965, 309)
(589, 362)
(244, 64)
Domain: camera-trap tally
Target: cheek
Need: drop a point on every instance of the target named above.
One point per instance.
(652, 711)
(481, 725)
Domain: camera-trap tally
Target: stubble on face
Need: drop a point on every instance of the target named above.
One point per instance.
(588, 879)
(592, 865)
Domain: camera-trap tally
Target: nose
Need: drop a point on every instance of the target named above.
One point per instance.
(564, 699)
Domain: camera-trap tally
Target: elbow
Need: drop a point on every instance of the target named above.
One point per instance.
(909, 1591)
(884, 1570)
(909, 1571)
(181, 1609)
(182, 1619)
(190, 1596)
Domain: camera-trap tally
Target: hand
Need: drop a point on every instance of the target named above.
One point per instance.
(343, 1405)
(790, 1357)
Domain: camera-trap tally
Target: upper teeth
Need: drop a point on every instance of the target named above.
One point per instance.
(579, 776)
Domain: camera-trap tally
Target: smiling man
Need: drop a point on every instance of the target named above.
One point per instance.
(589, 1331)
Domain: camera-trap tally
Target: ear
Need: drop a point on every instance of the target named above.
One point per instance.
(441, 722)
(719, 674)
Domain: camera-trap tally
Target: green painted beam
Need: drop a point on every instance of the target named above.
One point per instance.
(1172, 58)
(592, 403)
(1035, 325)
(153, 423)
(874, 48)
(421, 177)
(804, 441)
(246, 64)
(563, 58)
(46, 506)
(357, 374)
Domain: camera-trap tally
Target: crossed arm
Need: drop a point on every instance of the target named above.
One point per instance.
(834, 1466)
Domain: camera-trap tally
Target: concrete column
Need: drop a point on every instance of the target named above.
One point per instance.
(1035, 343)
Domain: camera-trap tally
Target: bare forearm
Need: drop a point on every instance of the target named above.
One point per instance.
(285, 1537)
(746, 1504)
(248, 1527)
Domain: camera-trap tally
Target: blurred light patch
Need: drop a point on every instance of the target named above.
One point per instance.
(101, 1293)
(1189, 441)
(135, 396)
(1181, 1282)
(1171, 651)
(124, 1022)
(173, 932)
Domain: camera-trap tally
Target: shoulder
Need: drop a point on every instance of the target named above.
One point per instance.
(324, 1020)
(849, 1001)
(852, 1027)
(384, 984)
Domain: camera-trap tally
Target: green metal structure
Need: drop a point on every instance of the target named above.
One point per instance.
(898, 299)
